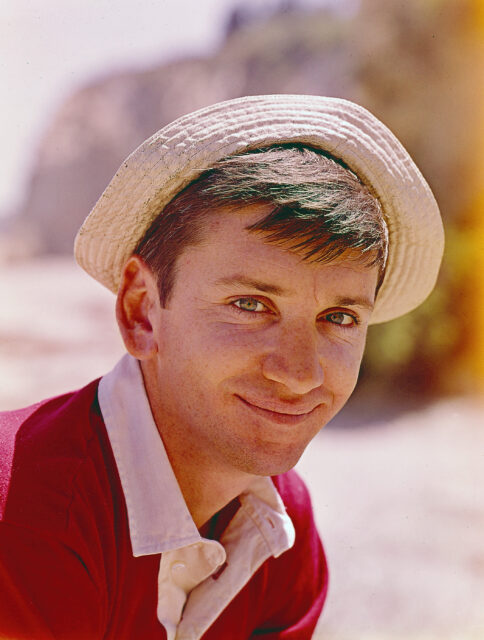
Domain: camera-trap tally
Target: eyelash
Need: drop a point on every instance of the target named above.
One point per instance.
(237, 309)
(355, 319)
(251, 299)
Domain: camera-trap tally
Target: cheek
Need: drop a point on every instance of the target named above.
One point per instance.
(209, 355)
(223, 345)
(341, 365)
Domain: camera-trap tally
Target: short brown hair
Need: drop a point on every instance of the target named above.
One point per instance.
(319, 208)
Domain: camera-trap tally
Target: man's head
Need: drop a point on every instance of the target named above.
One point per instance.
(255, 349)
(251, 244)
(315, 206)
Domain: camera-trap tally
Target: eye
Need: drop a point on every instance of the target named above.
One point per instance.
(250, 304)
(340, 318)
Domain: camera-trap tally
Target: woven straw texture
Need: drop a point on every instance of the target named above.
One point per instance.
(174, 156)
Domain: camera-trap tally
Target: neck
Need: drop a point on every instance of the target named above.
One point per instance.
(205, 490)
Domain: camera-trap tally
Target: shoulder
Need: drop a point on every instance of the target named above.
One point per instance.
(307, 548)
(47, 429)
(41, 450)
(292, 588)
(294, 494)
(63, 522)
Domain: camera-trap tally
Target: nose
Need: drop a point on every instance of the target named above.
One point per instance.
(295, 361)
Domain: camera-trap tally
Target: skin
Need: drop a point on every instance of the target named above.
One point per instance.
(255, 351)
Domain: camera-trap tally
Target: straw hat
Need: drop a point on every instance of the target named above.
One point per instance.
(174, 156)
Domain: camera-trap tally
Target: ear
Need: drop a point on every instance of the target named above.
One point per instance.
(136, 300)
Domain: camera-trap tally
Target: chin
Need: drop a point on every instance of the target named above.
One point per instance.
(275, 471)
(273, 466)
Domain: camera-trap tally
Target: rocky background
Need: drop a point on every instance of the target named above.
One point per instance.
(397, 480)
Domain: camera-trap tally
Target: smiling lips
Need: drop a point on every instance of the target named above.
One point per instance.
(285, 414)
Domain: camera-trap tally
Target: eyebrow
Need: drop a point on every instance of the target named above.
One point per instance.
(243, 281)
(266, 287)
(356, 302)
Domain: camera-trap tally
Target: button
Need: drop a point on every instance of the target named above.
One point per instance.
(178, 567)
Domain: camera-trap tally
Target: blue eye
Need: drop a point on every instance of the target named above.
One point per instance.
(340, 318)
(249, 304)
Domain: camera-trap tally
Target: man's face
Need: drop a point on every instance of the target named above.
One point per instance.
(257, 349)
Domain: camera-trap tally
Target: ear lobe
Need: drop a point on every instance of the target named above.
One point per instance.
(137, 295)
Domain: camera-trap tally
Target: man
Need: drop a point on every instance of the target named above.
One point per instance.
(250, 245)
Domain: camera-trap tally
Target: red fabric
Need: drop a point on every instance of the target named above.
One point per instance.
(66, 565)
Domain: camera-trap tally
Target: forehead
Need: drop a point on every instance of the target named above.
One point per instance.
(228, 253)
(232, 221)
(232, 227)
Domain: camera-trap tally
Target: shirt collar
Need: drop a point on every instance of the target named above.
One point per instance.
(159, 519)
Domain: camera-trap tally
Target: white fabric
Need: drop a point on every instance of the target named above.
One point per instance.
(159, 520)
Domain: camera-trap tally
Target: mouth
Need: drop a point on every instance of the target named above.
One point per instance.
(291, 415)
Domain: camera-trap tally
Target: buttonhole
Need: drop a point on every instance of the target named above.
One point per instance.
(219, 571)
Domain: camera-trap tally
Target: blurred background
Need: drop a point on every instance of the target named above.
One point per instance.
(397, 479)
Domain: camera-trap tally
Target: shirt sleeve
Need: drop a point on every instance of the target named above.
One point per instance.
(295, 584)
(46, 590)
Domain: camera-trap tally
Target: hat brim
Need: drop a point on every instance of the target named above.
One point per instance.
(177, 154)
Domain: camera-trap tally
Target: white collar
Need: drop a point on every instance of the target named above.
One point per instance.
(159, 519)
(160, 522)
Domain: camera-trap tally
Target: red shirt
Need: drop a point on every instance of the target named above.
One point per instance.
(66, 565)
